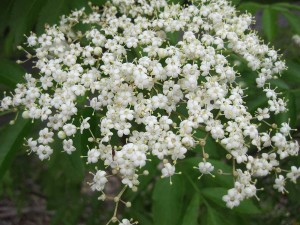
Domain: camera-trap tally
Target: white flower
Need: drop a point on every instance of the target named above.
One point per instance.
(84, 124)
(285, 129)
(32, 144)
(45, 136)
(232, 198)
(125, 222)
(139, 159)
(168, 170)
(205, 167)
(263, 114)
(294, 174)
(99, 181)
(44, 151)
(68, 146)
(69, 129)
(280, 184)
(93, 155)
(32, 40)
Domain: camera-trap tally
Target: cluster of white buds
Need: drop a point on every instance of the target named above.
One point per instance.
(153, 94)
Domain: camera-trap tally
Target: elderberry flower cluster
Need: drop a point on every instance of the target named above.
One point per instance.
(152, 93)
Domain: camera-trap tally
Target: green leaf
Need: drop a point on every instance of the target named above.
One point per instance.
(72, 166)
(251, 7)
(215, 195)
(215, 218)
(76, 162)
(235, 2)
(83, 3)
(287, 5)
(211, 147)
(279, 9)
(62, 184)
(269, 22)
(50, 13)
(53, 9)
(192, 211)
(22, 20)
(5, 6)
(293, 72)
(67, 214)
(293, 20)
(173, 37)
(10, 73)
(247, 207)
(279, 83)
(255, 103)
(181, 2)
(141, 217)
(218, 164)
(167, 201)
(296, 93)
(11, 140)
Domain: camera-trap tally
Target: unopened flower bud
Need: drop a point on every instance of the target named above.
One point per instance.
(61, 134)
(25, 114)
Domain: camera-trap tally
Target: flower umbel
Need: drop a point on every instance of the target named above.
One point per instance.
(129, 76)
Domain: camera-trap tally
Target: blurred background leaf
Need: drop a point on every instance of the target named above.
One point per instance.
(269, 23)
(11, 140)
